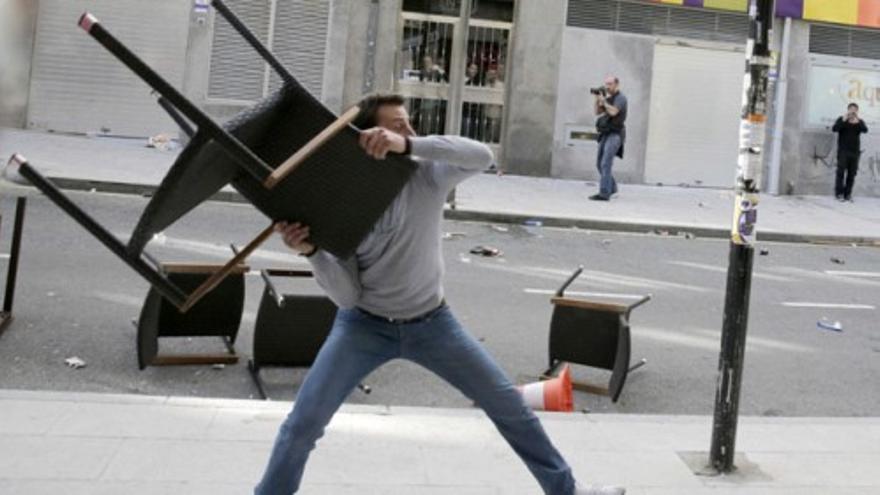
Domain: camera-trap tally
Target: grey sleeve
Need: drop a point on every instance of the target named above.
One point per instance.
(454, 158)
(339, 278)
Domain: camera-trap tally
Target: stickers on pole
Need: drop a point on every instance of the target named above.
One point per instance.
(745, 216)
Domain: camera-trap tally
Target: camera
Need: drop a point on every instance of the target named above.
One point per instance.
(600, 90)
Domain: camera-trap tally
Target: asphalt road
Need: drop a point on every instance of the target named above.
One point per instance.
(74, 298)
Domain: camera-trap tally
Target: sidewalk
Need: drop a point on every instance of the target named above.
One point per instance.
(126, 165)
(78, 444)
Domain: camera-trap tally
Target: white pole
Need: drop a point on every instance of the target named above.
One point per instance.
(779, 122)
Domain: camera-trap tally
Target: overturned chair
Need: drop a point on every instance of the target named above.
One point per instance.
(288, 155)
(290, 328)
(594, 334)
(218, 314)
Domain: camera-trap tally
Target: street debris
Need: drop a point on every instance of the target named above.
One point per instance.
(838, 261)
(606, 242)
(686, 235)
(826, 324)
(162, 142)
(764, 251)
(452, 235)
(660, 232)
(701, 204)
(50, 294)
(218, 366)
(463, 258)
(500, 228)
(75, 362)
(487, 251)
(533, 226)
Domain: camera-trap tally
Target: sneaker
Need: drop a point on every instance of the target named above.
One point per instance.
(599, 197)
(839, 197)
(599, 490)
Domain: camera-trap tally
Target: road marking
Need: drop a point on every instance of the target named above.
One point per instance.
(723, 269)
(842, 273)
(798, 304)
(710, 340)
(801, 272)
(592, 276)
(759, 341)
(550, 292)
(117, 298)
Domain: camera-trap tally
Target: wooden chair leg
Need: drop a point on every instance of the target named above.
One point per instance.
(178, 359)
(219, 275)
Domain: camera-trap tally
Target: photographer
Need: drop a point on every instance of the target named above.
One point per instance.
(610, 105)
(849, 129)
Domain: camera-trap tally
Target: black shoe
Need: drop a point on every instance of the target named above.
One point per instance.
(839, 197)
(848, 198)
(599, 197)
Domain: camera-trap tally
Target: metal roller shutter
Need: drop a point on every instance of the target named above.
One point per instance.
(300, 40)
(237, 71)
(693, 135)
(77, 86)
(298, 37)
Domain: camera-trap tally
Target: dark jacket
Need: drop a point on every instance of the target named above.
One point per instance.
(849, 136)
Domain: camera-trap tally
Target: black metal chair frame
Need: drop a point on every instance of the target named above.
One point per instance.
(12, 269)
(275, 332)
(209, 134)
(591, 333)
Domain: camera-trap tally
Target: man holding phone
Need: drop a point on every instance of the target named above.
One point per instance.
(849, 129)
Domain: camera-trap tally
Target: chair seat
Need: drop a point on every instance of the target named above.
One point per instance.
(339, 191)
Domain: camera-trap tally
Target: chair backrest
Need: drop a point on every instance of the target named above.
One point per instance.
(291, 335)
(585, 336)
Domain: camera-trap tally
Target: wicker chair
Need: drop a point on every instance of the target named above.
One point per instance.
(591, 333)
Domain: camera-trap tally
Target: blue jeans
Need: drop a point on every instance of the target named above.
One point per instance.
(609, 144)
(360, 343)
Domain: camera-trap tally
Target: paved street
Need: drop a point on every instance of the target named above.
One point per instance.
(75, 299)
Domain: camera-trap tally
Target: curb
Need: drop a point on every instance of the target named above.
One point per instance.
(672, 229)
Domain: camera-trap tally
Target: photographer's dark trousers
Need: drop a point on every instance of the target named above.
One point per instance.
(609, 145)
(847, 168)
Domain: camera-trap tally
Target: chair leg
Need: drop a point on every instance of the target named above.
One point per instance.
(219, 275)
(230, 345)
(176, 116)
(258, 381)
(252, 40)
(156, 279)
(638, 365)
(12, 270)
(242, 154)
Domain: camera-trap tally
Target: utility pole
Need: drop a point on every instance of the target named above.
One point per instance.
(739, 269)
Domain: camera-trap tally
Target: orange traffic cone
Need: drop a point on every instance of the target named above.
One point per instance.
(550, 395)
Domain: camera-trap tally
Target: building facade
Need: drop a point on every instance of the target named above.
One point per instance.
(513, 74)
